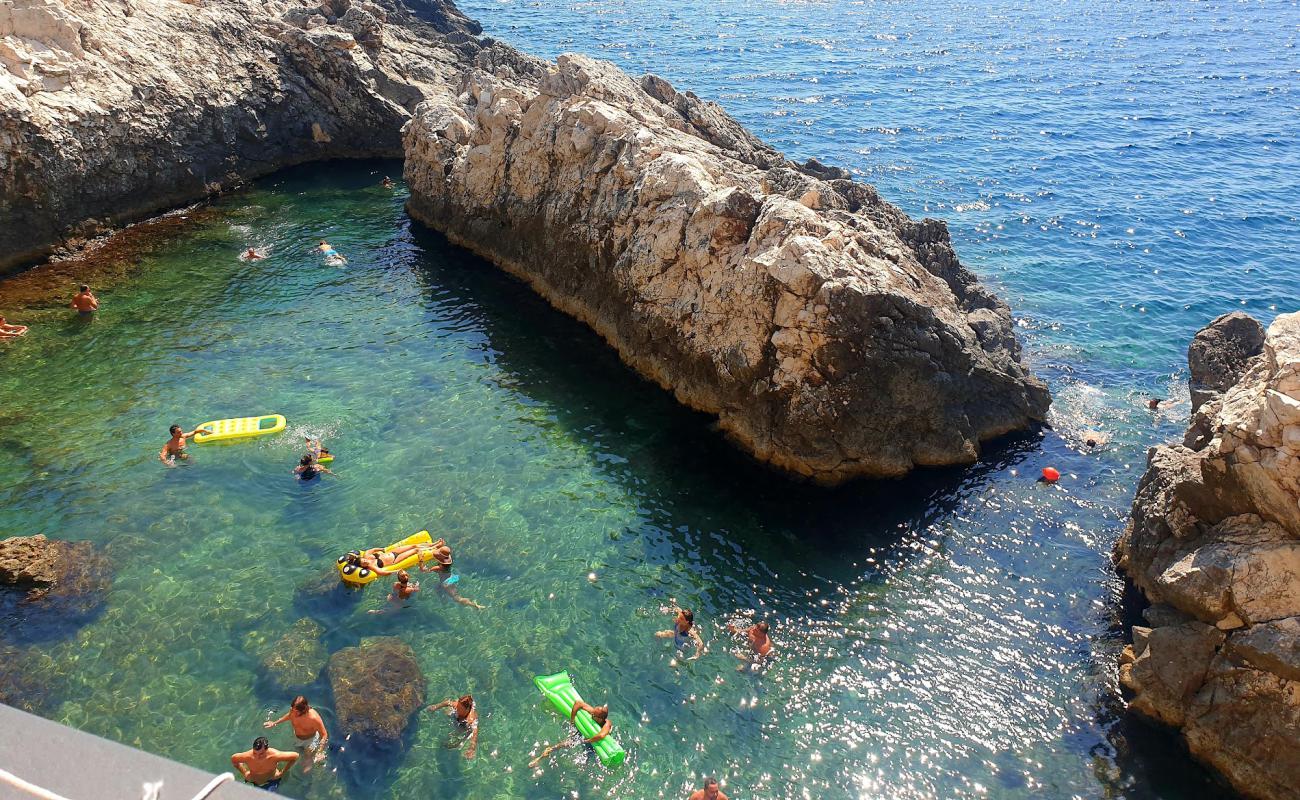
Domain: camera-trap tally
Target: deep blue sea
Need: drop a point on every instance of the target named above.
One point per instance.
(1120, 173)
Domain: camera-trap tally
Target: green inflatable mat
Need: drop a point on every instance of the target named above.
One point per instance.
(559, 690)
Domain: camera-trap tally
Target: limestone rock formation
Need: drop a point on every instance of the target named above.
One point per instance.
(111, 110)
(378, 687)
(832, 336)
(50, 569)
(1214, 544)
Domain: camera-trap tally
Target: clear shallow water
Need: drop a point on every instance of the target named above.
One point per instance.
(949, 636)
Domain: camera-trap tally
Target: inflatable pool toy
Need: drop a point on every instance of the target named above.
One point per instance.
(559, 690)
(325, 459)
(240, 428)
(354, 575)
(1051, 475)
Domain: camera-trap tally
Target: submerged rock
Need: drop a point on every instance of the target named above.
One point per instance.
(1214, 542)
(378, 687)
(832, 335)
(73, 575)
(294, 661)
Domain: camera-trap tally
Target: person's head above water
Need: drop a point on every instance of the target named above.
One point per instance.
(600, 714)
(710, 787)
(465, 704)
(305, 461)
(173, 430)
(260, 744)
(403, 577)
(761, 627)
(84, 288)
(300, 704)
(687, 615)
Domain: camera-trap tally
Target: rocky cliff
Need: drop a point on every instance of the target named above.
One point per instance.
(832, 336)
(112, 110)
(1214, 545)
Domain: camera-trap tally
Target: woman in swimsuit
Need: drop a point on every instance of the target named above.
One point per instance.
(307, 469)
(465, 714)
(683, 631)
(381, 561)
(442, 566)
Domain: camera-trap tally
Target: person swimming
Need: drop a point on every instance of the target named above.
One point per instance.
(403, 589)
(465, 714)
(447, 579)
(308, 469)
(684, 631)
(316, 450)
(600, 714)
(760, 644)
(387, 182)
(8, 331)
(175, 446)
(251, 254)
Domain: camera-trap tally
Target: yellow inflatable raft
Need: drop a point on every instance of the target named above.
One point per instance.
(241, 428)
(355, 575)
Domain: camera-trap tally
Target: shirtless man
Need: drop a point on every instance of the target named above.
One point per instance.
(84, 301)
(261, 766)
(251, 254)
(598, 713)
(684, 631)
(465, 714)
(175, 447)
(759, 642)
(709, 792)
(308, 727)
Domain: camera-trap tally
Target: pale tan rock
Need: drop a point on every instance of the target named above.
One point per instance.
(832, 336)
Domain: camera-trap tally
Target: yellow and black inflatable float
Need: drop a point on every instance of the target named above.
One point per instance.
(356, 575)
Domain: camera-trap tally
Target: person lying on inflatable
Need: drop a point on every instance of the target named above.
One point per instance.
(383, 561)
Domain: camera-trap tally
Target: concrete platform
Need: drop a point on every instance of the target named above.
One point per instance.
(80, 766)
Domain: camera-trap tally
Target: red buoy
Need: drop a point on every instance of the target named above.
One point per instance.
(1051, 475)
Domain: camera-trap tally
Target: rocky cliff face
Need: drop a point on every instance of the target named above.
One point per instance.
(1214, 544)
(832, 336)
(111, 110)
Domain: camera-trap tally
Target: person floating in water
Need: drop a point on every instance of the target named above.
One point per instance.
(251, 254)
(381, 561)
(447, 580)
(598, 713)
(263, 766)
(760, 644)
(403, 589)
(332, 256)
(175, 447)
(684, 631)
(309, 729)
(709, 791)
(387, 182)
(315, 449)
(1154, 403)
(465, 714)
(84, 301)
(308, 469)
(8, 331)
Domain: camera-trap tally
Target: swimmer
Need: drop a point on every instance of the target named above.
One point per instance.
(759, 642)
(84, 301)
(465, 714)
(598, 713)
(447, 579)
(261, 766)
(332, 256)
(1095, 438)
(308, 727)
(381, 561)
(709, 791)
(252, 255)
(684, 631)
(1154, 403)
(315, 450)
(387, 182)
(308, 469)
(8, 331)
(404, 589)
(175, 447)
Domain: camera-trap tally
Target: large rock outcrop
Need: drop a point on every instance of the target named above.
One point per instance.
(1214, 544)
(378, 687)
(74, 576)
(112, 110)
(832, 336)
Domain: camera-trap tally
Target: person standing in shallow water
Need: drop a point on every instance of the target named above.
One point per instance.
(263, 766)
(309, 729)
(684, 631)
(760, 644)
(175, 447)
(465, 713)
(84, 301)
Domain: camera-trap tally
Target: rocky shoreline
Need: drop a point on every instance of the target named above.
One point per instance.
(1214, 545)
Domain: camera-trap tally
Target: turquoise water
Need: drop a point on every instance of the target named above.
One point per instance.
(949, 636)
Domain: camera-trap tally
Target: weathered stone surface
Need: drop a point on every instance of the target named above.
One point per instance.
(111, 110)
(378, 687)
(1214, 538)
(832, 336)
(75, 573)
(1219, 353)
(293, 661)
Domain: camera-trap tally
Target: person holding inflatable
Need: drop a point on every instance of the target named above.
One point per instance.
(447, 579)
(598, 713)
